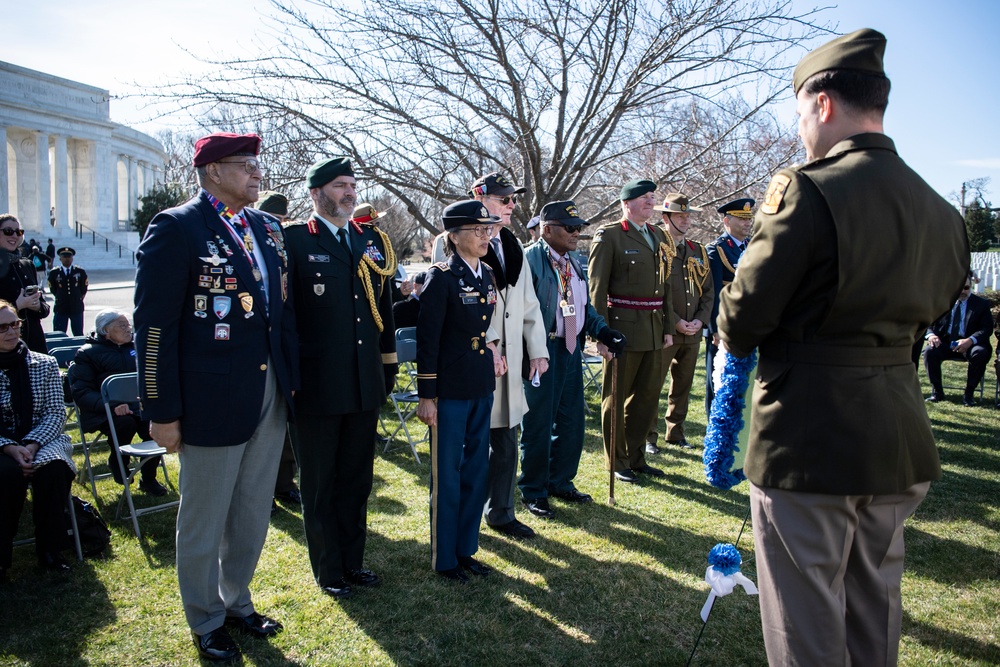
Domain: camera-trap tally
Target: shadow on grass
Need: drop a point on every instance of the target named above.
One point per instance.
(37, 629)
(950, 642)
(948, 561)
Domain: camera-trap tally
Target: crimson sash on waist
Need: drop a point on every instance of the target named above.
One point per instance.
(635, 302)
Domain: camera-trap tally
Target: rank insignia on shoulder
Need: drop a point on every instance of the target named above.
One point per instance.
(775, 193)
(442, 265)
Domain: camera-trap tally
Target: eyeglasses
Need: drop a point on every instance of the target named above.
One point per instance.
(504, 200)
(121, 325)
(249, 166)
(7, 326)
(13, 231)
(482, 231)
(570, 229)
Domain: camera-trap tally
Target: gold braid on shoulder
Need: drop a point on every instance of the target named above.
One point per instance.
(373, 267)
(698, 271)
(667, 253)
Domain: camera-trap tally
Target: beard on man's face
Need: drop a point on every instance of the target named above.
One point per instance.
(331, 209)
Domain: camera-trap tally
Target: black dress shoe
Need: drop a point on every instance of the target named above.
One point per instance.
(682, 443)
(474, 566)
(935, 398)
(455, 574)
(216, 645)
(573, 496)
(969, 402)
(651, 448)
(293, 497)
(650, 470)
(626, 475)
(255, 624)
(539, 507)
(514, 529)
(338, 589)
(363, 577)
(53, 561)
(152, 487)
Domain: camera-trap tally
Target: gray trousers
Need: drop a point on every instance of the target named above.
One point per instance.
(829, 571)
(501, 477)
(223, 517)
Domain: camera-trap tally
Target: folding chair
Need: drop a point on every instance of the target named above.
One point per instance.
(124, 388)
(74, 530)
(66, 341)
(51, 335)
(591, 377)
(410, 367)
(406, 353)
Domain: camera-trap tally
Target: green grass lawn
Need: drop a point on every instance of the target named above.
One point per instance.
(598, 586)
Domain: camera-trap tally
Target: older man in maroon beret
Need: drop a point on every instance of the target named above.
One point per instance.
(216, 344)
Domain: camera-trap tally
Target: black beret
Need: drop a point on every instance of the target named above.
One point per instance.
(324, 171)
(563, 212)
(469, 212)
(738, 208)
(636, 188)
(216, 146)
(861, 50)
(274, 203)
(494, 184)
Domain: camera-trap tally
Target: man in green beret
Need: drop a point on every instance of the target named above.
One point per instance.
(628, 270)
(840, 449)
(348, 359)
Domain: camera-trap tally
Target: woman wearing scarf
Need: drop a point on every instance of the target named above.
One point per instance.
(33, 445)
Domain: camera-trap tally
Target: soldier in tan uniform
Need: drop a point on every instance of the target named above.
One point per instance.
(841, 450)
(692, 294)
(629, 263)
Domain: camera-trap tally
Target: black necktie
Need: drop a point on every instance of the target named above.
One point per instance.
(495, 242)
(342, 237)
(956, 322)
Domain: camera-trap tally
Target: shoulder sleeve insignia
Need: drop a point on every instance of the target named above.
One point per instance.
(775, 193)
(598, 235)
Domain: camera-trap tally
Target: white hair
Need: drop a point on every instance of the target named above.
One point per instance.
(106, 317)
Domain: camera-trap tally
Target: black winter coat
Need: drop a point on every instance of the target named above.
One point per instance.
(93, 363)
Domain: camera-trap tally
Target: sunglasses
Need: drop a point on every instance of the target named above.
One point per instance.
(570, 229)
(15, 325)
(12, 231)
(249, 166)
(505, 200)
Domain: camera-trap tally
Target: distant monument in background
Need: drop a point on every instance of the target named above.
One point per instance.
(66, 162)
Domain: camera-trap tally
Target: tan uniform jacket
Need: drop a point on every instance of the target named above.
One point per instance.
(622, 265)
(691, 288)
(837, 406)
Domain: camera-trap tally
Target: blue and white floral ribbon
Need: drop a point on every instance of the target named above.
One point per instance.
(723, 575)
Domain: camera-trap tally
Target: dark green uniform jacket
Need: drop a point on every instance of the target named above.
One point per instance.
(837, 406)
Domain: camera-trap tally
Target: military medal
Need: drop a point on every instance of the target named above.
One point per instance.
(212, 248)
(247, 302)
(475, 343)
(217, 286)
(214, 260)
(256, 274)
(200, 305)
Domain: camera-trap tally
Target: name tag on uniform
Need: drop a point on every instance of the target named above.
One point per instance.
(319, 258)
(632, 252)
(470, 299)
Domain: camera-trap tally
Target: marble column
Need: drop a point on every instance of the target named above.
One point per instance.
(4, 174)
(43, 187)
(61, 184)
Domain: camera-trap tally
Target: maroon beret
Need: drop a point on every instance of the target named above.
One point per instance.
(216, 146)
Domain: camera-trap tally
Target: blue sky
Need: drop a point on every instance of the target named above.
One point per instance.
(942, 58)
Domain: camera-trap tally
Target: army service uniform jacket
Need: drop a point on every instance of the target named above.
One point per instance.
(691, 288)
(452, 332)
(68, 290)
(837, 406)
(342, 351)
(627, 284)
(203, 335)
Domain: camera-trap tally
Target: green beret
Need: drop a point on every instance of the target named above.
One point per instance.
(861, 50)
(274, 203)
(324, 171)
(636, 188)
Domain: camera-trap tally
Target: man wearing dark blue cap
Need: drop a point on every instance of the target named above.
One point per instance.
(840, 450)
(724, 255)
(629, 267)
(552, 430)
(215, 341)
(348, 359)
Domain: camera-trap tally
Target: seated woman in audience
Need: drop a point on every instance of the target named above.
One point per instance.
(109, 351)
(35, 449)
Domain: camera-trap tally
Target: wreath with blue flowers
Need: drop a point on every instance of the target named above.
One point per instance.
(726, 421)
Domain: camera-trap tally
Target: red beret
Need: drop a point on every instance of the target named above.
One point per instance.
(216, 146)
